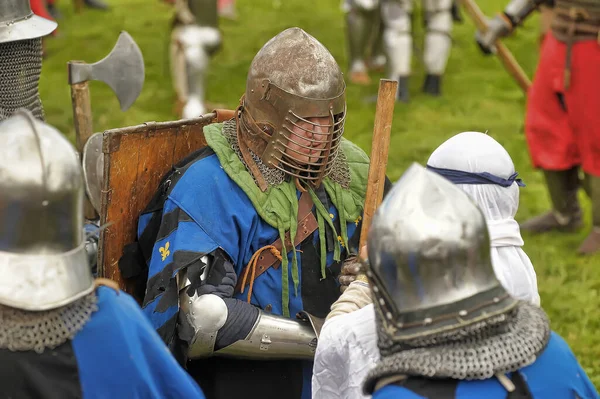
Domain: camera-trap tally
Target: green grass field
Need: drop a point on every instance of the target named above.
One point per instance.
(478, 95)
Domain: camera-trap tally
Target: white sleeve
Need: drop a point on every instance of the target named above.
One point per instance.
(329, 369)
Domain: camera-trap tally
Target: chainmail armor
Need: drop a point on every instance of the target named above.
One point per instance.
(20, 68)
(22, 330)
(340, 171)
(501, 344)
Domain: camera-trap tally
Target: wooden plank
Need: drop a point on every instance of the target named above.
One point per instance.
(135, 160)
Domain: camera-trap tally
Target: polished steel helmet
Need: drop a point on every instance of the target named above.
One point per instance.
(429, 254)
(43, 262)
(17, 22)
(293, 77)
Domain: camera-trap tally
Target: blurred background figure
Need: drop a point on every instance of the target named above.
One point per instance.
(398, 39)
(364, 31)
(194, 39)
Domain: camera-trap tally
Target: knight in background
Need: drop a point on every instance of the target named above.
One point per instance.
(364, 30)
(21, 34)
(194, 40)
(62, 334)
(246, 238)
(398, 41)
(562, 124)
(436, 297)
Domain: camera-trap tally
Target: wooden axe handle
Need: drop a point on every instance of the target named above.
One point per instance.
(82, 117)
(506, 57)
(384, 114)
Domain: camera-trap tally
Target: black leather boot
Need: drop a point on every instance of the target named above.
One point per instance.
(433, 85)
(97, 4)
(566, 212)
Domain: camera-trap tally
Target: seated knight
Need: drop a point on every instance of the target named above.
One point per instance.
(252, 231)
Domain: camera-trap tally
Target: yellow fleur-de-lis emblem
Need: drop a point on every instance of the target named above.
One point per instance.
(164, 251)
(341, 241)
(358, 219)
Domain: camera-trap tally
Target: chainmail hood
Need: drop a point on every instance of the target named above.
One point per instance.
(20, 68)
(22, 330)
(501, 344)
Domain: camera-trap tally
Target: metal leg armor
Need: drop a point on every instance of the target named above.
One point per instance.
(361, 22)
(191, 46)
(396, 17)
(193, 40)
(438, 42)
(377, 58)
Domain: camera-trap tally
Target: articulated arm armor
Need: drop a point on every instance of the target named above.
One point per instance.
(503, 24)
(518, 10)
(230, 327)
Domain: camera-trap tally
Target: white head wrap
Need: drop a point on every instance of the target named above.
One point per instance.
(477, 153)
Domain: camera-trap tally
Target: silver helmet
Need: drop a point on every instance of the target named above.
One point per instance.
(43, 261)
(430, 265)
(17, 22)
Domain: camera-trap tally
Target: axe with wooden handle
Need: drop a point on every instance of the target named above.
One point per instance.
(506, 57)
(122, 70)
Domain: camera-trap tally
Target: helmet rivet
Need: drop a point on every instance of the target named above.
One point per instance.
(375, 289)
(428, 320)
(388, 315)
(462, 313)
(381, 302)
(496, 300)
(45, 203)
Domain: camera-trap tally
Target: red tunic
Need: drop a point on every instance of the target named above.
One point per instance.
(560, 139)
(39, 8)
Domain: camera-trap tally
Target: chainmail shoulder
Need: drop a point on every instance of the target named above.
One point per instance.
(501, 344)
(22, 330)
(340, 171)
(20, 68)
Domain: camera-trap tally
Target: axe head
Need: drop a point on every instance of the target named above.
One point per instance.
(122, 70)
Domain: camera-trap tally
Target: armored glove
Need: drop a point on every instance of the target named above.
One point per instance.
(498, 27)
(350, 270)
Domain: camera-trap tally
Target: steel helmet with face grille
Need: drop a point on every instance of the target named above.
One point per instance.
(292, 78)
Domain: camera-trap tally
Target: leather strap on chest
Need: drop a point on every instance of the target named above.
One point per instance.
(572, 23)
(307, 224)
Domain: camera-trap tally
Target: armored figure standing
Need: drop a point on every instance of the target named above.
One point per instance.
(21, 34)
(364, 29)
(194, 39)
(251, 231)
(562, 125)
(398, 41)
(61, 333)
(446, 327)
